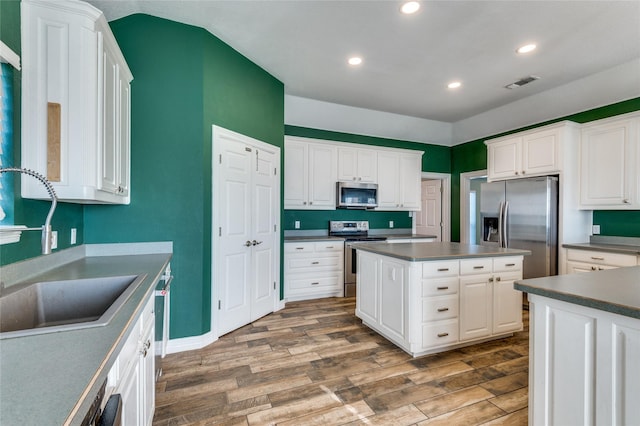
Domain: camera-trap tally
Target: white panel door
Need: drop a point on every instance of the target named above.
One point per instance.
(236, 235)
(429, 218)
(246, 253)
(263, 236)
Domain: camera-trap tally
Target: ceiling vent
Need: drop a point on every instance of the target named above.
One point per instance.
(522, 82)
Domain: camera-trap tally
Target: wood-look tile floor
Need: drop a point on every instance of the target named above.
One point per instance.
(314, 363)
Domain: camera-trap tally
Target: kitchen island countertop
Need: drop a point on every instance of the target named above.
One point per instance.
(418, 252)
(612, 290)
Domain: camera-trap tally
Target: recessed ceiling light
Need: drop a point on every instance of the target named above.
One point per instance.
(355, 60)
(454, 85)
(410, 7)
(526, 48)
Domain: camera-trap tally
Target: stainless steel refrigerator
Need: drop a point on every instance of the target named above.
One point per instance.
(523, 213)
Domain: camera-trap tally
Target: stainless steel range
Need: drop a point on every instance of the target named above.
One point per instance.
(354, 232)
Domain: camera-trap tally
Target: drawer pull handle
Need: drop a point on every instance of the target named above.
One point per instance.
(478, 267)
(597, 258)
(329, 247)
(443, 334)
(510, 264)
(315, 263)
(443, 269)
(316, 283)
(443, 288)
(443, 309)
(299, 248)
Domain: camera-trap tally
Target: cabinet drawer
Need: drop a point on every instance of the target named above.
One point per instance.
(446, 268)
(296, 264)
(505, 264)
(476, 266)
(310, 284)
(439, 333)
(439, 308)
(439, 286)
(299, 247)
(602, 258)
(329, 246)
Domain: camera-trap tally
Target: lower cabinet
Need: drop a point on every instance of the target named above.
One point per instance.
(584, 365)
(313, 269)
(432, 306)
(133, 373)
(591, 261)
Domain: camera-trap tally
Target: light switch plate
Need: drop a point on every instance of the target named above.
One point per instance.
(390, 224)
(74, 236)
(595, 229)
(296, 224)
(54, 239)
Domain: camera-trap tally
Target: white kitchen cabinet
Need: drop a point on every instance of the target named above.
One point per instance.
(591, 260)
(432, 306)
(609, 163)
(310, 175)
(399, 181)
(313, 269)
(394, 292)
(76, 80)
(530, 153)
(583, 365)
(133, 373)
(357, 165)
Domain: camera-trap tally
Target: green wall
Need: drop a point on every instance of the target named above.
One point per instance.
(185, 80)
(472, 156)
(436, 158)
(31, 213)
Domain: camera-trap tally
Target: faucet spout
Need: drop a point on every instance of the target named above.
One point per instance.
(46, 228)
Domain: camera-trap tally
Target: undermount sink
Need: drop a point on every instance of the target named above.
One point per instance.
(52, 306)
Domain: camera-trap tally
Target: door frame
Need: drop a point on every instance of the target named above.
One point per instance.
(446, 202)
(465, 190)
(215, 218)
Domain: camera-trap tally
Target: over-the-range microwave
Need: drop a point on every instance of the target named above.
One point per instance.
(354, 195)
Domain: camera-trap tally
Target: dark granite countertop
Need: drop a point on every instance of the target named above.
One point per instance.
(417, 252)
(611, 290)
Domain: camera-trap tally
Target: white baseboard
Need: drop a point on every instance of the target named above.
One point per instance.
(190, 343)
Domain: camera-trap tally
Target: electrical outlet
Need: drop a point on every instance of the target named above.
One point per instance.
(595, 229)
(390, 224)
(54, 239)
(74, 235)
(296, 224)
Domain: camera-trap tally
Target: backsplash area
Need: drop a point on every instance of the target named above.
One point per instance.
(618, 223)
(319, 219)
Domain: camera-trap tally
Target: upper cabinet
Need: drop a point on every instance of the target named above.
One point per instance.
(531, 153)
(399, 181)
(309, 175)
(609, 163)
(357, 165)
(76, 104)
(312, 167)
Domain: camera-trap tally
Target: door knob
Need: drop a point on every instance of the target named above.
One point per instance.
(255, 243)
(248, 243)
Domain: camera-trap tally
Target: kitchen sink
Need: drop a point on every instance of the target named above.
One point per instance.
(53, 306)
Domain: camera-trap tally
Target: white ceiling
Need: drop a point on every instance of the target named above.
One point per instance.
(408, 60)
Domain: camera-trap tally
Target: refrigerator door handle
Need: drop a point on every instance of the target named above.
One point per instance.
(500, 210)
(505, 224)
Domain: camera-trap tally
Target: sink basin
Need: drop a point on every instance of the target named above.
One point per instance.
(52, 306)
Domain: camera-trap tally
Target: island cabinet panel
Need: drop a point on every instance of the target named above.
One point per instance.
(584, 365)
(433, 306)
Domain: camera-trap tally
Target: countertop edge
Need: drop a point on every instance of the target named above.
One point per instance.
(611, 248)
(511, 252)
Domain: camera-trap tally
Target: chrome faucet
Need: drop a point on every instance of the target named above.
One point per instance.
(46, 228)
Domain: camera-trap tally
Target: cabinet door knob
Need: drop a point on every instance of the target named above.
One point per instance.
(523, 172)
(516, 173)
(304, 203)
(497, 278)
(593, 268)
(310, 202)
(625, 201)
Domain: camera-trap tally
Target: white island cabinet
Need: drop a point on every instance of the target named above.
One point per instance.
(584, 347)
(429, 298)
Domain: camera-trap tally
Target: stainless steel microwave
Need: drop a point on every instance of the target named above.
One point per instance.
(352, 195)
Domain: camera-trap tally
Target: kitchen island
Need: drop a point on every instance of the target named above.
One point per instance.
(429, 298)
(584, 348)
